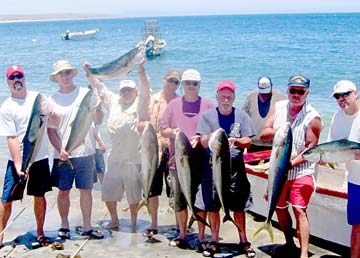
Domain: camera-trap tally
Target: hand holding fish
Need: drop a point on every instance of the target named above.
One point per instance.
(195, 140)
(64, 155)
(232, 142)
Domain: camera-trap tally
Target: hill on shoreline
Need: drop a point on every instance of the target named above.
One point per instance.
(52, 16)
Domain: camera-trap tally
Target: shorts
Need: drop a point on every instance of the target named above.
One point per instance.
(39, 180)
(120, 178)
(162, 171)
(99, 162)
(63, 176)
(297, 192)
(353, 205)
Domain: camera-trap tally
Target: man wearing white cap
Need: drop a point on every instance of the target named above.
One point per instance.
(345, 123)
(126, 109)
(258, 104)
(66, 102)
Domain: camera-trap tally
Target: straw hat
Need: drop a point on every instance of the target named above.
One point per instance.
(59, 66)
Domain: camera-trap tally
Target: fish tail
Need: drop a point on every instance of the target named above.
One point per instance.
(227, 217)
(259, 230)
(270, 230)
(67, 161)
(332, 165)
(200, 219)
(141, 204)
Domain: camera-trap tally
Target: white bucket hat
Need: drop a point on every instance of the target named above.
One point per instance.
(59, 66)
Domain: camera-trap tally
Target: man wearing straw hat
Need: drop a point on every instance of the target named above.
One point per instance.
(65, 103)
(15, 115)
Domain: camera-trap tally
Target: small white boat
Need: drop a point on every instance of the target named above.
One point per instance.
(152, 39)
(79, 35)
(327, 208)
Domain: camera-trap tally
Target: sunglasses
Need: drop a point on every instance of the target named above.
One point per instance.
(294, 91)
(188, 83)
(228, 98)
(176, 82)
(344, 94)
(65, 72)
(18, 76)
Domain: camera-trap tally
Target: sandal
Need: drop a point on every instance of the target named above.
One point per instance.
(43, 241)
(93, 234)
(64, 233)
(201, 246)
(178, 242)
(150, 232)
(211, 249)
(245, 248)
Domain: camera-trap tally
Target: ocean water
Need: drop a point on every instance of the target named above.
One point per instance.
(323, 47)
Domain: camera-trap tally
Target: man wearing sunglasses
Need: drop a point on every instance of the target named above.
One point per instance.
(15, 114)
(127, 108)
(306, 126)
(158, 104)
(345, 123)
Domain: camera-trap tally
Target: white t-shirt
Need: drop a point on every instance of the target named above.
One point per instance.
(66, 106)
(353, 166)
(14, 118)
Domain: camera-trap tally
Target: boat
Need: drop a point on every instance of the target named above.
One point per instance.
(327, 208)
(79, 35)
(152, 39)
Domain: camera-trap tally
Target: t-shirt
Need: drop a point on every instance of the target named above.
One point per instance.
(353, 166)
(14, 118)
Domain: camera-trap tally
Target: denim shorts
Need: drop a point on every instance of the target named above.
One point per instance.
(353, 205)
(63, 176)
(99, 162)
(39, 181)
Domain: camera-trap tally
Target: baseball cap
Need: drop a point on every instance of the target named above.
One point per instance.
(191, 75)
(127, 84)
(226, 84)
(13, 69)
(173, 73)
(299, 80)
(343, 86)
(264, 84)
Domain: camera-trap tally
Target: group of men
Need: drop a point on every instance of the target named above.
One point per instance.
(253, 127)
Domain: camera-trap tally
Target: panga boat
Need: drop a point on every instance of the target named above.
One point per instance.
(327, 208)
(78, 35)
(152, 38)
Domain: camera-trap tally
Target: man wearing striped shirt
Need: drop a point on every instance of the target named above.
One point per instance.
(306, 126)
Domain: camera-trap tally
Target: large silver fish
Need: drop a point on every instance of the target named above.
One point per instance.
(278, 172)
(221, 167)
(332, 152)
(31, 144)
(149, 160)
(120, 66)
(81, 124)
(185, 174)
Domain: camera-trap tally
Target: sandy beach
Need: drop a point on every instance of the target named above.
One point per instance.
(20, 237)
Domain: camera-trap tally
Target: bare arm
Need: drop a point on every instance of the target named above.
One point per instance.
(268, 132)
(170, 132)
(243, 142)
(14, 149)
(56, 143)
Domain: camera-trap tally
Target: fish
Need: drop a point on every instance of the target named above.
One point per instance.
(31, 144)
(149, 151)
(120, 66)
(337, 151)
(278, 172)
(185, 174)
(80, 126)
(221, 167)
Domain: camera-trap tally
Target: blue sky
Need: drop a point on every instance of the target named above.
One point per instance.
(177, 7)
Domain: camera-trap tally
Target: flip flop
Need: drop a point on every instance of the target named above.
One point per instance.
(93, 234)
(211, 249)
(43, 241)
(246, 249)
(178, 242)
(64, 233)
(150, 232)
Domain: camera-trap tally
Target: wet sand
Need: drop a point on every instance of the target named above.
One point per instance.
(20, 236)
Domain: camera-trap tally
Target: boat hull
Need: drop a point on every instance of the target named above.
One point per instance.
(88, 34)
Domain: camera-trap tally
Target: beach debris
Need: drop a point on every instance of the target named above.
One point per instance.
(57, 246)
(149, 151)
(278, 172)
(31, 144)
(185, 174)
(221, 166)
(81, 125)
(120, 66)
(337, 151)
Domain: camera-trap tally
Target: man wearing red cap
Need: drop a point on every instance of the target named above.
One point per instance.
(15, 115)
(239, 128)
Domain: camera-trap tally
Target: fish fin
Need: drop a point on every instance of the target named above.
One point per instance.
(142, 203)
(200, 219)
(332, 165)
(259, 230)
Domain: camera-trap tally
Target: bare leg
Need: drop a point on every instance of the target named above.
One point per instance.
(5, 212)
(63, 203)
(355, 241)
(201, 226)
(112, 207)
(86, 206)
(214, 219)
(285, 223)
(40, 211)
(239, 218)
(154, 206)
(133, 214)
(182, 218)
(302, 230)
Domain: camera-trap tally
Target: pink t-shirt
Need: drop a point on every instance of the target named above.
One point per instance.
(174, 117)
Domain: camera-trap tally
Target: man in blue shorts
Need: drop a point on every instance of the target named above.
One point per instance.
(345, 123)
(15, 114)
(239, 128)
(65, 103)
